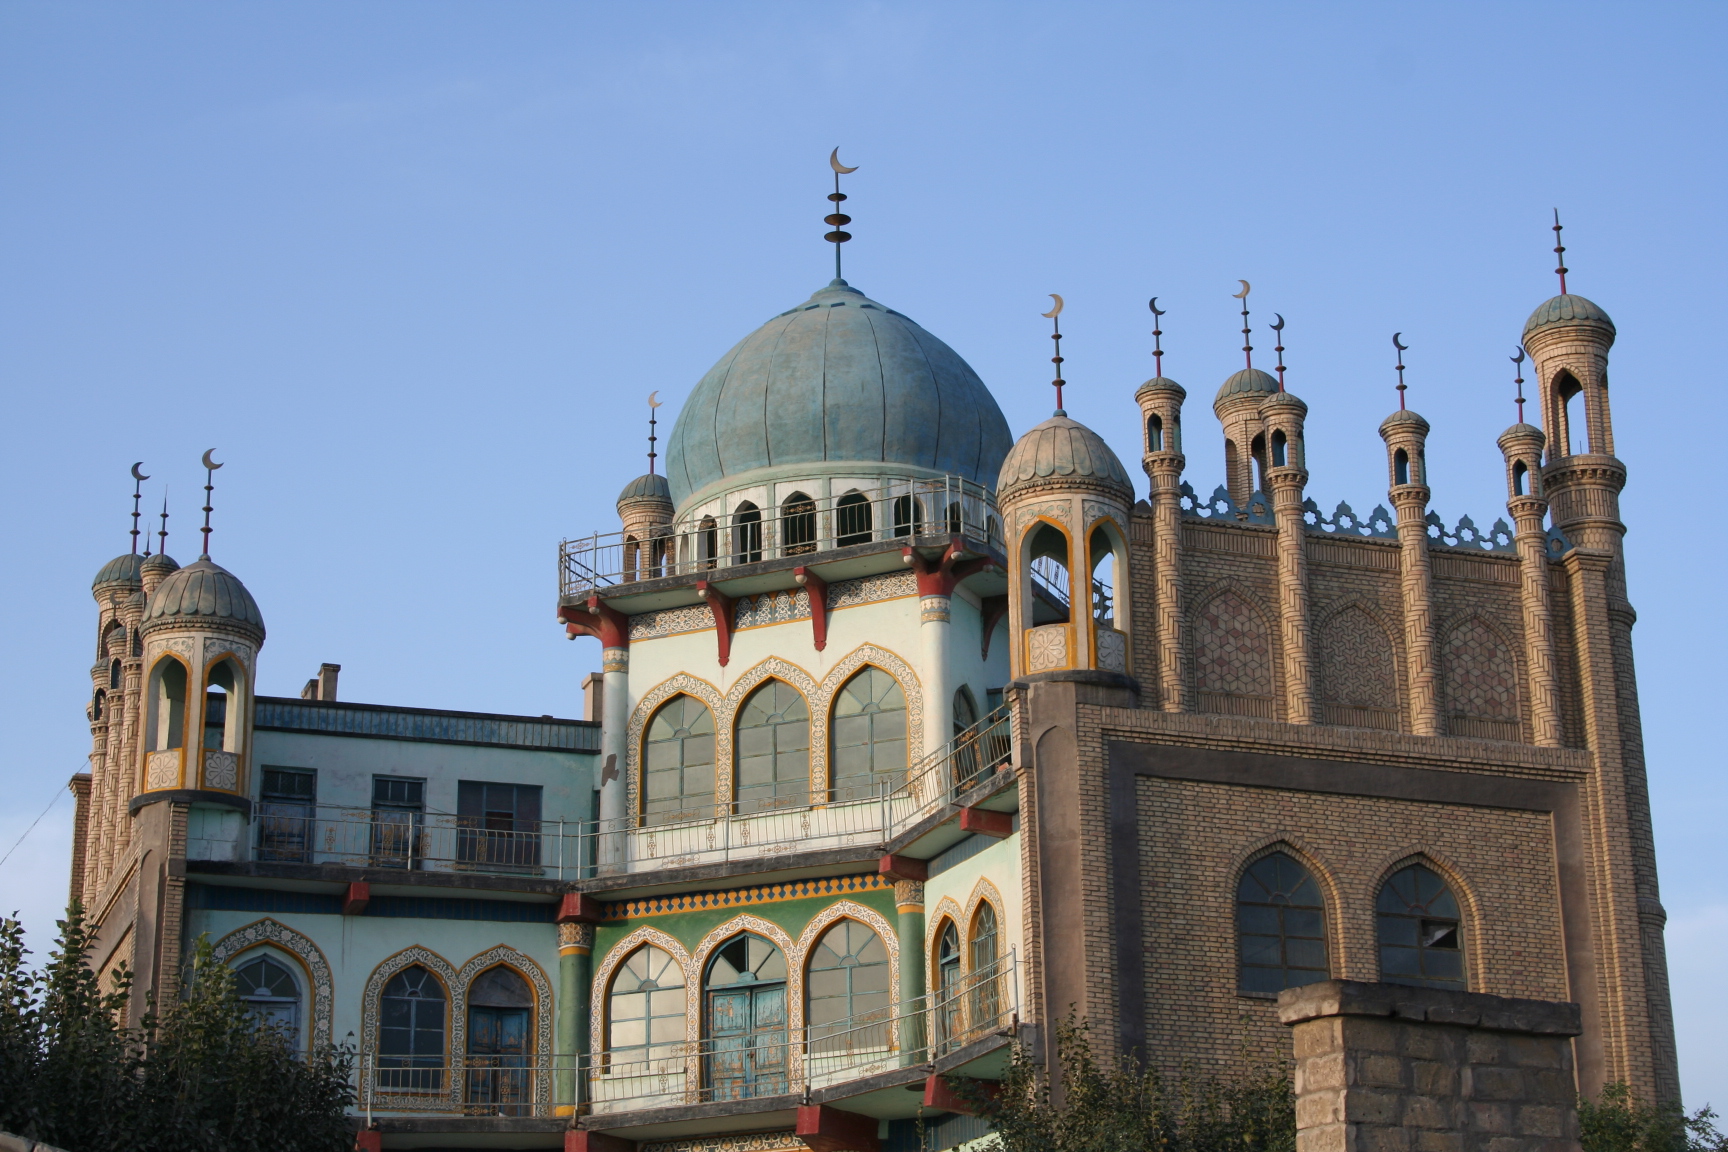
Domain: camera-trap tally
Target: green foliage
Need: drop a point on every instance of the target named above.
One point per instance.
(204, 1078)
(1126, 1108)
(1618, 1122)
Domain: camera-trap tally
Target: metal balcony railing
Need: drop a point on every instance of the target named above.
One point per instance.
(801, 526)
(576, 849)
(763, 1062)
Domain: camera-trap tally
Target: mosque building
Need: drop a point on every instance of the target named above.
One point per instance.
(911, 740)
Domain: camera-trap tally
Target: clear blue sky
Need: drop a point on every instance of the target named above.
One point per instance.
(412, 269)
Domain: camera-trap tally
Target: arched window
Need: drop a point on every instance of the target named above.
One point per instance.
(411, 1033)
(222, 712)
(114, 675)
(985, 947)
(678, 762)
(965, 710)
(645, 1013)
(1520, 477)
(708, 543)
(1574, 436)
(746, 1019)
(166, 722)
(98, 704)
(1103, 579)
(852, 520)
(746, 534)
(500, 1015)
(1154, 433)
(908, 516)
(1280, 452)
(797, 525)
(1421, 932)
(632, 558)
(272, 996)
(869, 735)
(1400, 467)
(1257, 449)
(1048, 549)
(847, 990)
(947, 983)
(1280, 926)
(773, 749)
(956, 518)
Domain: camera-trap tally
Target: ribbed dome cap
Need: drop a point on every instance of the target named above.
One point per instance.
(1062, 448)
(126, 569)
(1402, 417)
(203, 591)
(1567, 309)
(646, 486)
(1247, 380)
(1160, 384)
(161, 562)
(838, 378)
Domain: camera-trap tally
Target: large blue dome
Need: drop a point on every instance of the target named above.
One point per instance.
(838, 378)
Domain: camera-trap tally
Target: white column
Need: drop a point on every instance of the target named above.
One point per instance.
(934, 615)
(614, 731)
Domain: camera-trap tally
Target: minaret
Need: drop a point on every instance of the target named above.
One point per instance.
(1160, 400)
(1568, 338)
(1406, 435)
(1237, 407)
(645, 507)
(1521, 445)
(1282, 415)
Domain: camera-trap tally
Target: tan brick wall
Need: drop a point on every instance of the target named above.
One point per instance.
(1198, 836)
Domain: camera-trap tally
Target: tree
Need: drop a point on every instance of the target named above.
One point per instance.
(1618, 1121)
(1127, 1108)
(205, 1077)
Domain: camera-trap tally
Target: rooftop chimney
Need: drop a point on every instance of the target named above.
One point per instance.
(324, 686)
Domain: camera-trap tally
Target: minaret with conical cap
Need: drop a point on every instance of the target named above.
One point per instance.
(1160, 400)
(1527, 502)
(1406, 436)
(1286, 470)
(1568, 338)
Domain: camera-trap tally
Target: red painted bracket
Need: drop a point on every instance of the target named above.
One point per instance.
(369, 1140)
(825, 1129)
(939, 579)
(939, 1092)
(610, 626)
(903, 868)
(579, 908)
(576, 1140)
(987, 823)
(354, 901)
(720, 605)
(818, 589)
(995, 608)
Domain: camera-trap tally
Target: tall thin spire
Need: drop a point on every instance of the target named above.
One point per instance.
(1157, 338)
(1402, 348)
(210, 467)
(1559, 254)
(1518, 368)
(652, 405)
(1247, 346)
(837, 218)
(138, 479)
(162, 534)
(1055, 318)
(1279, 329)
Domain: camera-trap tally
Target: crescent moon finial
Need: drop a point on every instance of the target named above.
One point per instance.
(1246, 288)
(834, 163)
(1054, 312)
(1153, 304)
(1397, 345)
(137, 475)
(1518, 359)
(209, 463)
(653, 403)
(1278, 327)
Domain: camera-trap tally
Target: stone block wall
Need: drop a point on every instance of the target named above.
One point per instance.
(1386, 1068)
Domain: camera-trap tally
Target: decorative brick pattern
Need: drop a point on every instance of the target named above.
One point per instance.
(1480, 680)
(1358, 671)
(1232, 648)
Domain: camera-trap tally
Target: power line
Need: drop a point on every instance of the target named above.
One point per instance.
(51, 802)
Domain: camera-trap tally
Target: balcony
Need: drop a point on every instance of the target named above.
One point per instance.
(570, 850)
(829, 1059)
(847, 536)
